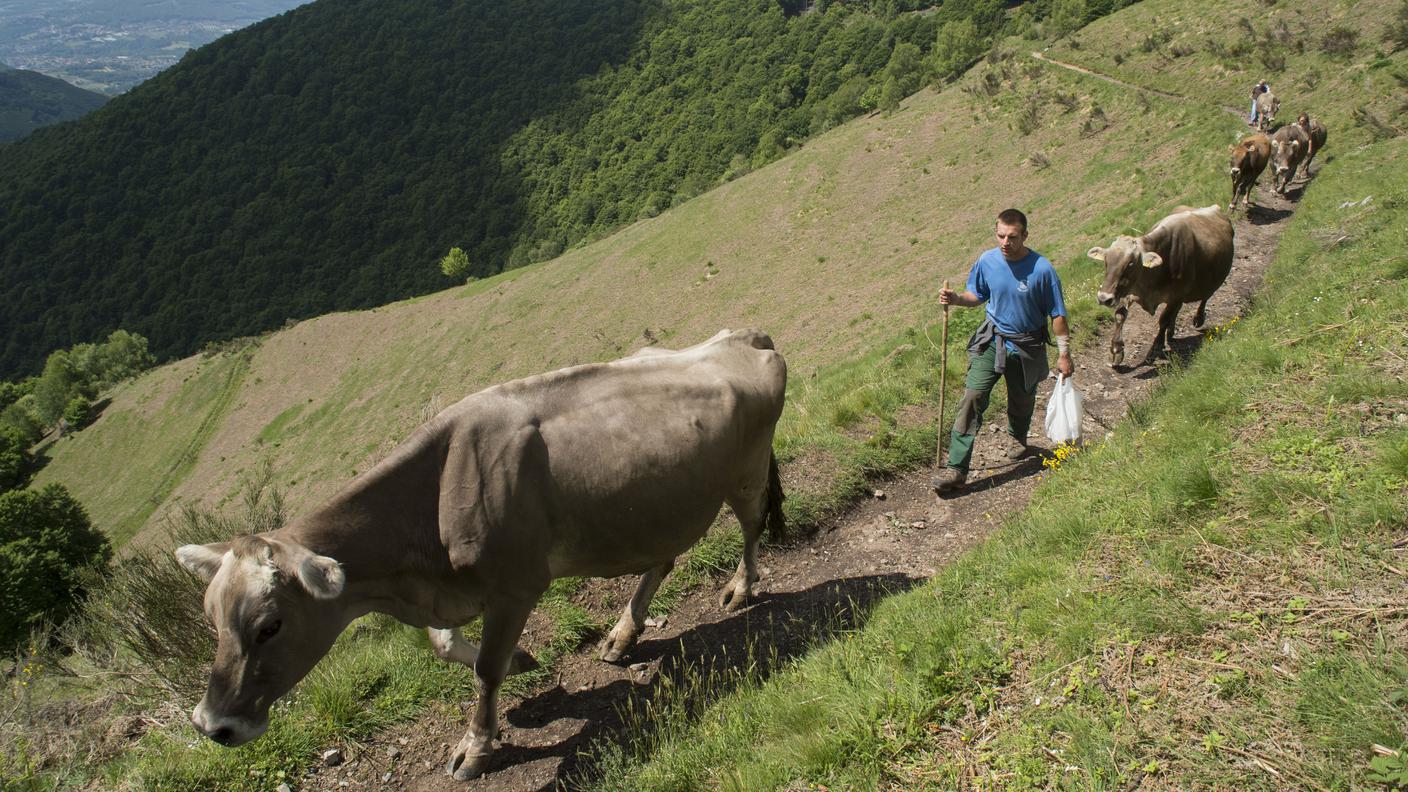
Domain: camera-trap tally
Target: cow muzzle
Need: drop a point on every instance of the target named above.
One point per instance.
(225, 730)
(1105, 298)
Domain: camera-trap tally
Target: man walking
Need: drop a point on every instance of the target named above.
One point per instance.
(1021, 291)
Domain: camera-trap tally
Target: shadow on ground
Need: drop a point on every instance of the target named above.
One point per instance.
(708, 662)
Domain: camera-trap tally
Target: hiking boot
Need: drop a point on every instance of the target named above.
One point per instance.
(1018, 451)
(948, 480)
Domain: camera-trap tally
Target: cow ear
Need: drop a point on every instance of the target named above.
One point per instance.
(321, 576)
(1152, 259)
(203, 560)
(1097, 253)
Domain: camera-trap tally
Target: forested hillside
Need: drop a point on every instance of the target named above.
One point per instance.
(29, 100)
(326, 158)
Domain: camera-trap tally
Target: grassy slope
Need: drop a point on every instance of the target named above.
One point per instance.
(1209, 600)
(1229, 618)
(834, 250)
(327, 396)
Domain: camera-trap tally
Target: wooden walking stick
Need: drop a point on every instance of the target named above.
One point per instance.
(943, 382)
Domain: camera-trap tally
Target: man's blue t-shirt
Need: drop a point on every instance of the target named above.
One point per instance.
(1020, 295)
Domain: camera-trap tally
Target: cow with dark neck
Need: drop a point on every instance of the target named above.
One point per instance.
(596, 470)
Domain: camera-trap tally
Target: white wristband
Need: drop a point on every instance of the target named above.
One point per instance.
(1063, 345)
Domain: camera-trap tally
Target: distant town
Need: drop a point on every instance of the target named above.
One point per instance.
(98, 50)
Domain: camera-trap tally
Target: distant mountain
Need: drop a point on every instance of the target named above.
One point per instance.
(29, 100)
(325, 159)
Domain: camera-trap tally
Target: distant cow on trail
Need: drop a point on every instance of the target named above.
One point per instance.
(1185, 258)
(1316, 132)
(1249, 159)
(597, 470)
(1267, 106)
(1288, 148)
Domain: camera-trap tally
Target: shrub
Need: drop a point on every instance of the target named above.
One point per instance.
(1339, 42)
(1396, 32)
(76, 412)
(47, 546)
(455, 264)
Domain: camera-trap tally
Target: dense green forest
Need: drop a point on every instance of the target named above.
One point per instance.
(29, 100)
(328, 158)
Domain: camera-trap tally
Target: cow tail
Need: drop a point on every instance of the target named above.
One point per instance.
(776, 526)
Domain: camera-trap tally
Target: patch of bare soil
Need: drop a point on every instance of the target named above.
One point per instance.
(887, 544)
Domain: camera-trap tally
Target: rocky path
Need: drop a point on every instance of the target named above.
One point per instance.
(886, 544)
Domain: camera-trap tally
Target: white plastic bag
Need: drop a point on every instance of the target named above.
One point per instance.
(1063, 412)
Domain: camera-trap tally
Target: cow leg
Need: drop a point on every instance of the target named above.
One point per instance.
(751, 510)
(632, 622)
(503, 624)
(1117, 336)
(1167, 317)
(452, 647)
(1201, 317)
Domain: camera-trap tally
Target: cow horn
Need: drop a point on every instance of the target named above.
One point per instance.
(1097, 253)
(1152, 259)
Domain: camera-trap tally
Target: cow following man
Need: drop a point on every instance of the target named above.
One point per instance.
(1288, 148)
(603, 469)
(1316, 133)
(1249, 159)
(1185, 258)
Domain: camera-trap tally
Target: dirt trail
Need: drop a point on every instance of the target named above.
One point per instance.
(880, 546)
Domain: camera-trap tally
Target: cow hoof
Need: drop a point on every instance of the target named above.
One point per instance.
(464, 767)
(734, 596)
(615, 646)
(1116, 358)
(522, 663)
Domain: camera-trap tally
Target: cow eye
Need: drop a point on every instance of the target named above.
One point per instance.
(267, 631)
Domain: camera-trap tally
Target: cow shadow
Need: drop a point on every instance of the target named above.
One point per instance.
(1266, 215)
(697, 667)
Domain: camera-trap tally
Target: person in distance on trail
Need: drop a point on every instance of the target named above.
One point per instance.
(1021, 290)
(1257, 90)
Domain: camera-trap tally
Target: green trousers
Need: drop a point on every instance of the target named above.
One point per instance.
(1021, 402)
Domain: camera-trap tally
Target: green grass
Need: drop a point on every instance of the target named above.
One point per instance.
(1187, 624)
(837, 251)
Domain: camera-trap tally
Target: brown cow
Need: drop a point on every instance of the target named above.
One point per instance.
(1267, 106)
(604, 469)
(1249, 159)
(1288, 147)
(1185, 258)
(1315, 131)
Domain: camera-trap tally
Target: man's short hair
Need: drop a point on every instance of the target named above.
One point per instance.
(1013, 217)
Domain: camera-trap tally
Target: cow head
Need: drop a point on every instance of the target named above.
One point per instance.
(1124, 259)
(274, 608)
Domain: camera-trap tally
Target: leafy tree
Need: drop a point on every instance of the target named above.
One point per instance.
(14, 458)
(56, 387)
(122, 356)
(47, 544)
(903, 75)
(1068, 15)
(20, 416)
(77, 412)
(957, 46)
(455, 264)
